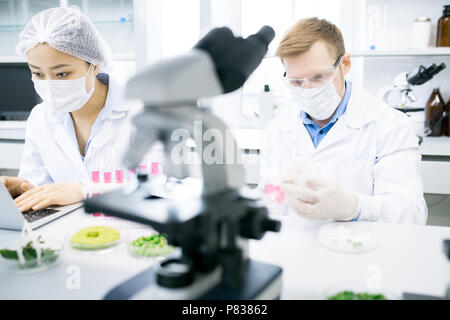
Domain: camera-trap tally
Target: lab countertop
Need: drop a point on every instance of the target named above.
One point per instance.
(407, 258)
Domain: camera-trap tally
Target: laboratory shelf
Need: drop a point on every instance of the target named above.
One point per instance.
(432, 51)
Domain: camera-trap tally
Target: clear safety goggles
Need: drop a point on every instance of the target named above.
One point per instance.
(315, 81)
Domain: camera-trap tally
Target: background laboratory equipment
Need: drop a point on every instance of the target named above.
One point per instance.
(421, 32)
(17, 91)
(443, 28)
(266, 106)
(434, 112)
(446, 121)
(401, 94)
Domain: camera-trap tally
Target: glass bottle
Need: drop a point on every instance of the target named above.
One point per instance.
(446, 125)
(443, 28)
(433, 113)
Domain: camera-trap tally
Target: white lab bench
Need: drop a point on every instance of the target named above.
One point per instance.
(435, 154)
(406, 258)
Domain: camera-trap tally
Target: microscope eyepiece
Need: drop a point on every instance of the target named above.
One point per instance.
(421, 74)
(265, 34)
(235, 58)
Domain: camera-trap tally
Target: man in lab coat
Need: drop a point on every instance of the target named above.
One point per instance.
(338, 153)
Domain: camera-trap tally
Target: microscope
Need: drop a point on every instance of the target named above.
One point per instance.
(403, 83)
(401, 94)
(211, 229)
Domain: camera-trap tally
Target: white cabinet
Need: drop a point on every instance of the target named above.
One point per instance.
(12, 138)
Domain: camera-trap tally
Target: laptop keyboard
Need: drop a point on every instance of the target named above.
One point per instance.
(34, 215)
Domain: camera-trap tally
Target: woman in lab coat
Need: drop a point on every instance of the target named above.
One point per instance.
(338, 153)
(80, 131)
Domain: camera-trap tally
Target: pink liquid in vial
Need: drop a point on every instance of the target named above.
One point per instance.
(95, 176)
(119, 176)
(107, 177)
(155, 168)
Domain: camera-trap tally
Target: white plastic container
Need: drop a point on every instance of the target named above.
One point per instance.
(421, 33)
(266, 106)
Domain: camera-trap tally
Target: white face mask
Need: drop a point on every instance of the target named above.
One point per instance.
(64, 95)
(319, 103)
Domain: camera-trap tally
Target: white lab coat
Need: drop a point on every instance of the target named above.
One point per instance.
(51, 153)
(371, 149)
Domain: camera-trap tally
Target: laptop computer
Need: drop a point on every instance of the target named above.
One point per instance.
(11, 218)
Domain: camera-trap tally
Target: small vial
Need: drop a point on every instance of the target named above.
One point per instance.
(155, 168)
(107, 178)
(119, 176)
(96, 179)
(95, 176)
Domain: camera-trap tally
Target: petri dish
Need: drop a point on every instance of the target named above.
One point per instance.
(358, 291)
(94, 238)
(346, 237)
(149, 246)
(51, 253)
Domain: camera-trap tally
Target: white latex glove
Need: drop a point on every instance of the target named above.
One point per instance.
(319, 198)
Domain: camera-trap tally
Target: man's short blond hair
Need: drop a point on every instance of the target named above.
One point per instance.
(300, 37)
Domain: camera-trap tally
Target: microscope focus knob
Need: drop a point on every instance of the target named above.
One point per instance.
(271, 225)
(174, 273)
(256, 223)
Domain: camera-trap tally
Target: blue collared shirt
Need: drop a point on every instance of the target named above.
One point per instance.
(315, 131)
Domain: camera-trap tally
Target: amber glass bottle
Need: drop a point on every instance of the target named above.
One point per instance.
(446, 125)
(443, 29)
(433, 112)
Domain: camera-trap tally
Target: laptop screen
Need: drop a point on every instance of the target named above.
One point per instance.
(17, 94)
